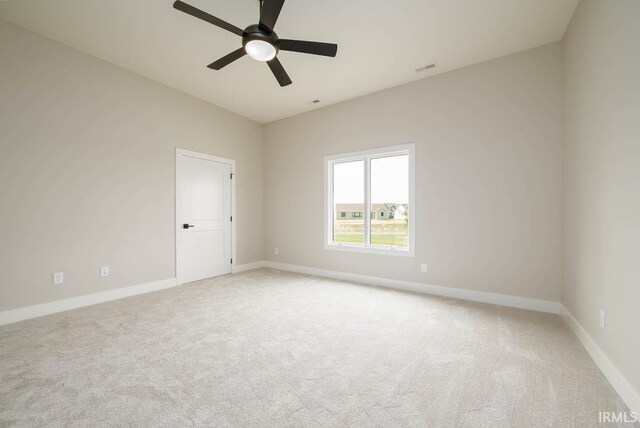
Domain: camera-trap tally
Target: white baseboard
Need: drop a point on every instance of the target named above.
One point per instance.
(625, 390)
(247, 266)
(15, 315)
(20, 314)
(438, 290)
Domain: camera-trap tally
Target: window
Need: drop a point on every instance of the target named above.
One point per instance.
(375, 188)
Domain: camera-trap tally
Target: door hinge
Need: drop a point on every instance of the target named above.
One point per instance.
(231, 218)
(231, 176)
(231, 261)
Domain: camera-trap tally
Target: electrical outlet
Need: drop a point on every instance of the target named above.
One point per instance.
(276, 251)
(104, 271)
(423, 267)
(602, 318)
(58, 278)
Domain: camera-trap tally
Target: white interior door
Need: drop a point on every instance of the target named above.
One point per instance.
(203, 214)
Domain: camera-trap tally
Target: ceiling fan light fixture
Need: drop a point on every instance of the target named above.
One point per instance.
(259, 41)
(260, 50)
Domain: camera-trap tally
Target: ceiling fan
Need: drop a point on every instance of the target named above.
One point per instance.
(259, 41)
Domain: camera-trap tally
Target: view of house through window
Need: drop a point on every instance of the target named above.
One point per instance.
(380, 182)
(348, 196)
(390, 201)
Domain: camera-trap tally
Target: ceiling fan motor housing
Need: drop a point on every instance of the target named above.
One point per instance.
(255, 32)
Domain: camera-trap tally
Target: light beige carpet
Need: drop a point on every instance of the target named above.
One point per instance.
(268, 348)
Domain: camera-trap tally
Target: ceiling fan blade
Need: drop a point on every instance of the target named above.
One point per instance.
(227, 59)
(314, 48)
(269, 13)
(278, 71)
(186, 8)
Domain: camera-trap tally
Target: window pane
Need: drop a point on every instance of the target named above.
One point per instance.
(348, 202)
(390, 201)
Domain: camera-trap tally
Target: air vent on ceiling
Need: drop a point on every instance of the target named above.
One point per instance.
(426, 67)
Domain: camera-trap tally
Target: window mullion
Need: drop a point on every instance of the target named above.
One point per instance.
(331, 206)
(367, 202)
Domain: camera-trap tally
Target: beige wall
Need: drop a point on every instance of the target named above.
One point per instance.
(602, 176)
(488, 180)
(87, 171)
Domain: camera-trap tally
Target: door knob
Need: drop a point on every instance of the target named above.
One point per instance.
(187, 226)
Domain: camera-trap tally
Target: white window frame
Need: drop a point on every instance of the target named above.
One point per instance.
(329, 215)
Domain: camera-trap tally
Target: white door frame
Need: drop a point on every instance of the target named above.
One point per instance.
(232, 163)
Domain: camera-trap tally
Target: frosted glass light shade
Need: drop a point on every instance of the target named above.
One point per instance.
(260, 50)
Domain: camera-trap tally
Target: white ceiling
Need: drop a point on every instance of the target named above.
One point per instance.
(380, 43)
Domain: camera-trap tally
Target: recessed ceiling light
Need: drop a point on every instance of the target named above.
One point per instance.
(315, 101)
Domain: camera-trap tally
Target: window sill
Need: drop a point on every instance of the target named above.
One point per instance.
(382, 250)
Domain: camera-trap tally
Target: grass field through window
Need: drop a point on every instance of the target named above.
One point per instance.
(383, 232)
